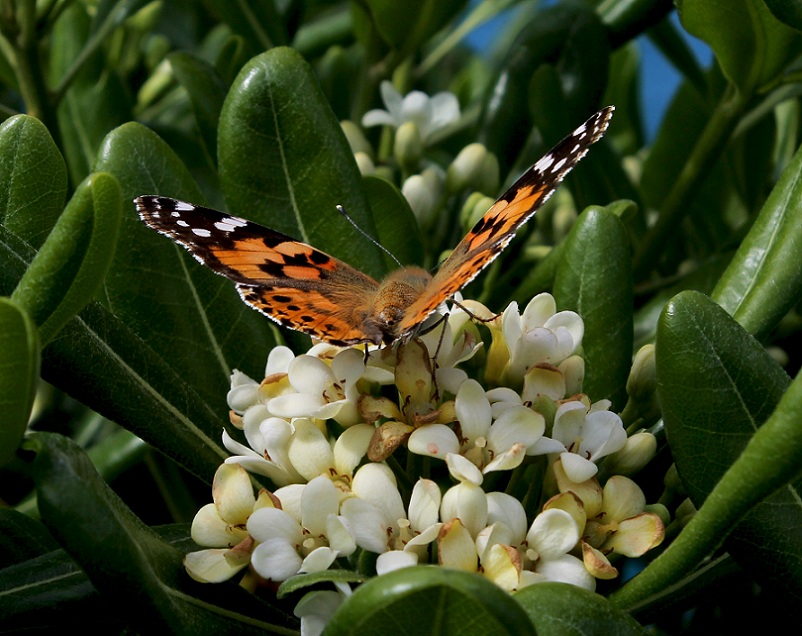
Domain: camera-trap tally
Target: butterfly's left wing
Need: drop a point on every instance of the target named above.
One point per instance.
(497, 227)
(295, 284)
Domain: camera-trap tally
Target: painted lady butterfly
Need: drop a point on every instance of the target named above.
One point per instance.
(303, 288)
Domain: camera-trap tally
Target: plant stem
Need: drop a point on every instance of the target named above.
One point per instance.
(714, 138)
(19, 28)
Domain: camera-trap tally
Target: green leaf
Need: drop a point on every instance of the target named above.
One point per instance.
(752, 47)
(134, 570)
(96, 100)
(73, 261)
(405, 26)
(560, 609)
(594, 279)
(190, 316)
(99, 361)
(429, 600)
(555, 36)
(396, 226)
(789, 13)
(285, 162)
(257, 21)
(207, 91)
(717, 386)
(19, 373)
(301, 581)
(34, 179)
(22, 538)
(764, 279)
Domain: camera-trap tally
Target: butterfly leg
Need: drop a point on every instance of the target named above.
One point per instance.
(472, 315)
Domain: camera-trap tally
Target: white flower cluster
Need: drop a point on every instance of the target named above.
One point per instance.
(327, 428)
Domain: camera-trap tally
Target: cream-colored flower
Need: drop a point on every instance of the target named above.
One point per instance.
(305, 535)
(588, 432)
(428, 114)
(491, 445)
(221, 526)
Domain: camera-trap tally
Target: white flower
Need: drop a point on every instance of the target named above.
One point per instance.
(312, 454)
(380, 523)
(322, 391)
(315, 609)
(490, 445)
(515, 557)
(429, 114)
(221, 526)
(466, 501)
(588, 434)
(539, 335)
(306, 535)
(268, 444)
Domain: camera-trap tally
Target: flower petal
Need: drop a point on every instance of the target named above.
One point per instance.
(395, 560)
(434, 440)
(275, 560)
(553, 533)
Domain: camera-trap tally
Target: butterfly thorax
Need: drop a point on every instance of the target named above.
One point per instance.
(395, 294)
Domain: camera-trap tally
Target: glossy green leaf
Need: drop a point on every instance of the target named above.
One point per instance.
(285, 162)
(119, 554)
(623, 90)
(96, 100)
(429, 600)
(764, 279)
(19, 373)
(717, 387)
(191, 317)
(396, 226)
(555, 36)
(72, 263)
(594, 279)
(404, 26)
(257, 21)
(787, 12)
(560, 609)
(22, 538)
(34, 179)
(206, 92)
(101, 362)
(752, 47)
(133, 569)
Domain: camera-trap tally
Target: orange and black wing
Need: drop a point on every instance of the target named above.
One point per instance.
(295, 284)
(497, 227)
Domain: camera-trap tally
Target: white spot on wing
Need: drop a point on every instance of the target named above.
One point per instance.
(235, 221)
(186, 207)
(229, 224)
(201, 232)
(182, 223)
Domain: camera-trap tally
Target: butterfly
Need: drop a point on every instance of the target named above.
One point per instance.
(305, 289)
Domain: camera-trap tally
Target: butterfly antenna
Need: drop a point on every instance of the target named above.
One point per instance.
(342, 211)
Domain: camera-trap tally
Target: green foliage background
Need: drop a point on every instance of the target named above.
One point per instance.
(697, 250)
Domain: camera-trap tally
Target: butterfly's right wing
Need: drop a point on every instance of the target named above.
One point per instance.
(293, 283)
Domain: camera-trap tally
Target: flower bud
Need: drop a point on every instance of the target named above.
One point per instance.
(408, 146)
(474, 208)
(356, 138)
(562, 221)
(638, 451)
(474, 168)
(642, 388)
(364, 163)
(420, 198)
(642, 381)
